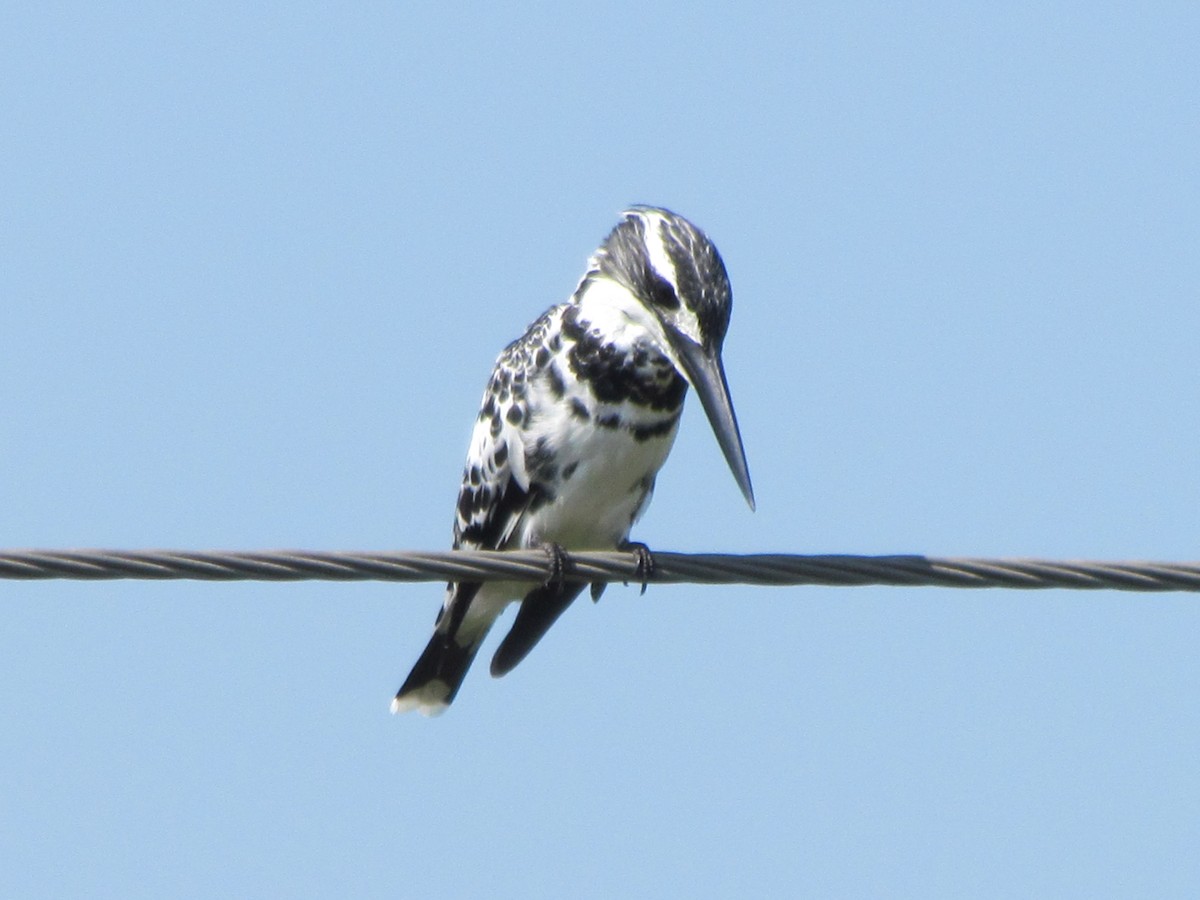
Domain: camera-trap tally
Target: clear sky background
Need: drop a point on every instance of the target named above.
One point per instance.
(256, 262)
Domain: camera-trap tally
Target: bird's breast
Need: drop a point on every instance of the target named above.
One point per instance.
(593, 467)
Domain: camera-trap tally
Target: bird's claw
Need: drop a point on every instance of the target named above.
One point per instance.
(645, 562)
(558, 563)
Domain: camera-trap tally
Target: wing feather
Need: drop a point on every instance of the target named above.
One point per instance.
(499, 482)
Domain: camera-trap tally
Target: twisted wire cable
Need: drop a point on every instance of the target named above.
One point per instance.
(538, 566)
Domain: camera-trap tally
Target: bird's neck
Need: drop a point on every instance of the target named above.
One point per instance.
(610, 312)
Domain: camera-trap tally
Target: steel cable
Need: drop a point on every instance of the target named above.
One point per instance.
(536, 566)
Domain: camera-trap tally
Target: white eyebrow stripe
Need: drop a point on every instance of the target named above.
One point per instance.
(656, 249)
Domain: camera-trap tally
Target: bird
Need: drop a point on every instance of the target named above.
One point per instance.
(576, 421)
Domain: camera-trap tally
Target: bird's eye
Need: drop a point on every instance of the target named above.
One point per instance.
(662, 293)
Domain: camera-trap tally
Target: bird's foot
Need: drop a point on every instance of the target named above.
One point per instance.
(558, 563)
(645, 563)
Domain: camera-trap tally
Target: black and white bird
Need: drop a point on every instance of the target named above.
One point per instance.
(577, 419)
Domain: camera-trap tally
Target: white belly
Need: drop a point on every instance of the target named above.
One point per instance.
(611, 474)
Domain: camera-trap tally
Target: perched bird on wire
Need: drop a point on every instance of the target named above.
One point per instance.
(578, 418)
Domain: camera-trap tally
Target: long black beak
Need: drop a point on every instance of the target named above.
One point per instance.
(707, 375)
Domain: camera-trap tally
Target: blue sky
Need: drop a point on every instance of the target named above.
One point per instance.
(255, 265)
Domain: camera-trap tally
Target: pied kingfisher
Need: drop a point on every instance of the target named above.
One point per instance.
(577, 419)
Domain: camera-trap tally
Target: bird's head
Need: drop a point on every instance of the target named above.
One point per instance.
(681, 289)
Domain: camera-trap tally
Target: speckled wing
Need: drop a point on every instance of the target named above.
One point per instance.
(500, 483)
(497, 487)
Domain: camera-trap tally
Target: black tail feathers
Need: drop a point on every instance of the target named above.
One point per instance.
(437, 675)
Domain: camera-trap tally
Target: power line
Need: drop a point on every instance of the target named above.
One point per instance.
(535, 566)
